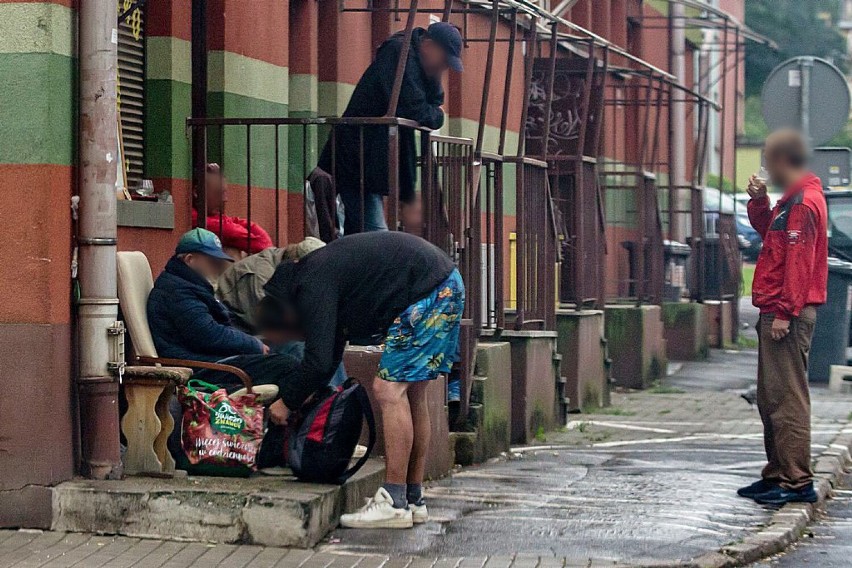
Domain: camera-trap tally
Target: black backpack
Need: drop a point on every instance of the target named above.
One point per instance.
(325, 434)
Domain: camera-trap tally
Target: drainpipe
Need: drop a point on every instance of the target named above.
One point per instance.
(96, 239)
(677, 168)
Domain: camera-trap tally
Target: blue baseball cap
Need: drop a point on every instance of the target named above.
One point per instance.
(447, 36)
(202, 241)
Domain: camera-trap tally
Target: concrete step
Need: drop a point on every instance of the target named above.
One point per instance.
(465, 448)
(263, 510)
(477, 388)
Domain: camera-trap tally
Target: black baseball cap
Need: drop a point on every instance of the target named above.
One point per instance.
(447, 36)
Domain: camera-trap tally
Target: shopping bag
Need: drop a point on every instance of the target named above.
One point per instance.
(220, 435)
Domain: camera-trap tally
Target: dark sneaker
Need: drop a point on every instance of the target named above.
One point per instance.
(756, 489)
(779, 496)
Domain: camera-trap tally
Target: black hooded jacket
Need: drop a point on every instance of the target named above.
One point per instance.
(353, 288)
(420, 99)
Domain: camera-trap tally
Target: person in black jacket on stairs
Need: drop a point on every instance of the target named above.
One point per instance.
(397, 289)
(431, 53)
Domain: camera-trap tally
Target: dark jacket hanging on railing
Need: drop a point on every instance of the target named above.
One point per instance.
(420, 100)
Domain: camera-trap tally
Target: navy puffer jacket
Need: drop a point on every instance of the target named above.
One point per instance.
(188, 322)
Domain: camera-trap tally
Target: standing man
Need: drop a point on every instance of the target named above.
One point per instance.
(389, 285)
(432, 52)
(789, 283)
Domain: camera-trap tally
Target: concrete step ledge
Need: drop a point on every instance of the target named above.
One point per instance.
(268, 511)
(464, 447)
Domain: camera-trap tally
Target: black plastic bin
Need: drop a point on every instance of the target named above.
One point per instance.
(831, 335)
(677, 260)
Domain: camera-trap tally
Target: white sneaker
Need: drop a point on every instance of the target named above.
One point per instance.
(378, 513)
(419, 513)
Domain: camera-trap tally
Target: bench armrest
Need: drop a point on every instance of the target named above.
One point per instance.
(239, 373)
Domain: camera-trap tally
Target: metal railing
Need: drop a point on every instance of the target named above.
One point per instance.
(272, 157)
(719, 275)
(494, 243)
(267, 160)
(451, 220)
(582, 233)
(633, 214)
(537, 252)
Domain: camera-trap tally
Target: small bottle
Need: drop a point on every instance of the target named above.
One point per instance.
(762, 175)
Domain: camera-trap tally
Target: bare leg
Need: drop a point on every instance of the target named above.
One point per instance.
(417, 399)
(397, 425)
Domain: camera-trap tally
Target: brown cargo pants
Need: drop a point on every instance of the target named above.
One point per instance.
(784, 401)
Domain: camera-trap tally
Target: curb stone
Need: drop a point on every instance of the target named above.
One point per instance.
(789, 522)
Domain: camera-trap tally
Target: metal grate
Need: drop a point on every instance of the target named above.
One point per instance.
(131, 92)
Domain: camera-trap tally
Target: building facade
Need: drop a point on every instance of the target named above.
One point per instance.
(276, 58)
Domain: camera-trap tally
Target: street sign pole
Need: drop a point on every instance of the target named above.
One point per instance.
(806, 65)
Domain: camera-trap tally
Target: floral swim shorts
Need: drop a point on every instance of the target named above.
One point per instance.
(423, 341)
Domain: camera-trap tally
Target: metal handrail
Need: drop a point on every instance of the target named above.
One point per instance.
(307, 121)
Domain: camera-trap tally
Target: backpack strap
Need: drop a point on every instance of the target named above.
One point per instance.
(367, 411)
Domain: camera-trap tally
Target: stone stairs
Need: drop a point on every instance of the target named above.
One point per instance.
(262, 510)
(490, 412)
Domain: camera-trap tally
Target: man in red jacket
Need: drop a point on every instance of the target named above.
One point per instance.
(239, 237)
(789, 282)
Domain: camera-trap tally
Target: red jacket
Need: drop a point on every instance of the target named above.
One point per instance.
(792, 270)
(234, 233)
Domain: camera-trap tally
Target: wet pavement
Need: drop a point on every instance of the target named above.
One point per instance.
(652, 479)
(748, 319)
(828, 542)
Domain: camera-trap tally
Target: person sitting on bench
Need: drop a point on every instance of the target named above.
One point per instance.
(240, 287)
(397, 288)
(188, 322)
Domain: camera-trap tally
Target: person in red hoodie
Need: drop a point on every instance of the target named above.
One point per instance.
(239, 237)
(789, 282)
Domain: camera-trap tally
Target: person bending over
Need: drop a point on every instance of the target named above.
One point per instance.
(392, 287)
(240, 288)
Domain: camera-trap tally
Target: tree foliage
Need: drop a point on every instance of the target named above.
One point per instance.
(799, 27)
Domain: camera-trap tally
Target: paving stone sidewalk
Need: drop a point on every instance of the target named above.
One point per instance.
(648, 482)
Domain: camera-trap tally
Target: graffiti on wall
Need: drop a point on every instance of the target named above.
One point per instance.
(567, 112)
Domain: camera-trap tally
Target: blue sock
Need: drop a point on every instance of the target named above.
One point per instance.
(397, 493)
(414, 493)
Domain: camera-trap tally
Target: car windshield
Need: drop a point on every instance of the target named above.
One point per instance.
(840, 217)
(712, 201)
(840, 225)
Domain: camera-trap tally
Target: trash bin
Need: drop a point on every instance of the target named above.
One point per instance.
(831, 335)
(676, 259)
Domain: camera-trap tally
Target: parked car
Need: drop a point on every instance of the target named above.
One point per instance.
(840, 223)
(749, 238)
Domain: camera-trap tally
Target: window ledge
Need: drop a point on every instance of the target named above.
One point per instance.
(146, 214)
